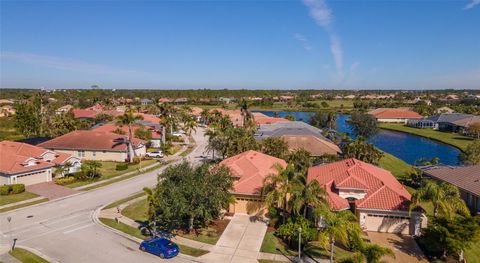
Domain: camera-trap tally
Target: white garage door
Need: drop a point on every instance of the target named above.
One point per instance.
(388, 224)
(33, 178)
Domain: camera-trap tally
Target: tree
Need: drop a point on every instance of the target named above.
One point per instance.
(90, 169)
(474, 130)
(247, 115)
(300, 159)
(336, 226)
(304, 195)
(63, 124)
(445, 236)
(28, 118)
(290, 117)
(289, 231)
(373, 253)
(324, 119)
(189, 125)
(240, 140)
(471, 155)
(102, 118)
(189, 197)
(363, 124)
(444, 197)
(143, 134)
(128, 118)
(363, 151)
(274, 146)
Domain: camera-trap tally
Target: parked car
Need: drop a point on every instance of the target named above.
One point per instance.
(155, 154)
(161, 247)
(177, 134)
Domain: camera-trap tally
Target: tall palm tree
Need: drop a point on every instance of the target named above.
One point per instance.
(168, 115)
(128, 118)
(246, 114)
(306, 195)
(444, 197)
(373, 253)
(277, 187)
(189, 125)
(336, 226)
(205, 116)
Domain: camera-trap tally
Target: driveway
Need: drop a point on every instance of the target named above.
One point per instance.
(50, 190)
(240, 242)
(405, 248)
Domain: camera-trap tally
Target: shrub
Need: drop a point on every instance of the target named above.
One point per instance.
(136, 160)
(17, 188)
(65, 180)
(121, 166)
(4, 190)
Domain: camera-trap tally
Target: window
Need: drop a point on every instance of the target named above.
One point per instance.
(81, 153)
(94, 153)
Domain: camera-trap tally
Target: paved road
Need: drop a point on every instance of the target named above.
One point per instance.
(64, 229)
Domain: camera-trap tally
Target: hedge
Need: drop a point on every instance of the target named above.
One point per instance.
(12, 189)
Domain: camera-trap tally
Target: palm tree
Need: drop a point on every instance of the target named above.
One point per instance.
(277, 187)
(128, 118)
(373, 253)
(247, 115)
(205, 116)
(189, 125)
(306, 195)
(336, 226)
(168, 115)
(444, 197)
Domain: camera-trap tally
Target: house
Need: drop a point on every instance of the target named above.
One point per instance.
(145, 102)
(261, 118)
(181, 101)
(400, 115)
(314, 145)
(373, 194)
(96, 145)
(450, 121)
(64, 109)
(466, 178)
(26, 164)
(156, 134)
(444, 110)
(164, 100)
(250, 169)
(7, 110)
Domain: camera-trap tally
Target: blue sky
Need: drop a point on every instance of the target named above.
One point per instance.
(321, 44)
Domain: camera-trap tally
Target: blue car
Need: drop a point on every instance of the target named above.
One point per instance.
(161, 247)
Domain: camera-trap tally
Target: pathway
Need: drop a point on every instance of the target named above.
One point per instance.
(50, 190)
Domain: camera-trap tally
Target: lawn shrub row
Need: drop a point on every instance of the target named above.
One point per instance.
(12, 189)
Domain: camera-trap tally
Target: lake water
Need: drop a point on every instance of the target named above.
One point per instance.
(405, 146)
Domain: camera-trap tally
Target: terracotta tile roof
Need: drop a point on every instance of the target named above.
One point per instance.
(149, 117)
(313, 144)
(252, 168)
(89, 140)
(14, 156)
(110, 127)
(84, 113)
(268, 120)
(197, 111)
(464, 177)
(382, 190)
(394, 113)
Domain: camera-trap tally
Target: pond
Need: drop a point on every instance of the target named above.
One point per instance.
(405, 146)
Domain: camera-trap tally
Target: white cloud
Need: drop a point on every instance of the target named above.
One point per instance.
(472, 4)
(323, 16)
(303, 40)
(68, 64)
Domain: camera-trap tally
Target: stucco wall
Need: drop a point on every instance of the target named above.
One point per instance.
(247, 205)
(391, 221)
(393, 120)
(98, 155)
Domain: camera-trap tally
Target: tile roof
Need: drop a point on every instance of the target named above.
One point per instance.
(252, 168)
(268, 120)
(467, 121)
(314, 145)
(14, 156)
(89, 140)
(280, 129)
(382, 189)
(464, 177)
(448, 117)
(394, 113)
(110, 127)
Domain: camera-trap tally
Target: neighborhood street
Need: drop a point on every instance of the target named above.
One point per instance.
(64, 229)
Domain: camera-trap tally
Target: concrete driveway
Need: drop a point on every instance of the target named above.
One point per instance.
(240, 242)
(405, 248)
(50, 190)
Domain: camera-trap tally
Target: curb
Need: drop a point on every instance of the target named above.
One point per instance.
(40, 254)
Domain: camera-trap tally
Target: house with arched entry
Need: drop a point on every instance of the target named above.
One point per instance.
(373, 194)
(250, 169)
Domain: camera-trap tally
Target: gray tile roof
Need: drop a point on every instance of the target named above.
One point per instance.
(464, 177)
(288, 128)
(449, 117)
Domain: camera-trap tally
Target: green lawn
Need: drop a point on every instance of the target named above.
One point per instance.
(453, 139)
(472, 254)
(137, 211)
(26, 256)
(121, 201)
(396, 166)
(108, 171)
(10, 199)
(272, 244)
(194, 252)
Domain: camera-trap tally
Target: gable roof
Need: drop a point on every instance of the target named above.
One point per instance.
(313, 144)
(251, 168)
(448, 117)
(464, 177)
(14, 155)
(90, 140)
(394, 113)
(110, 127)
(280, 129)
(383, 191)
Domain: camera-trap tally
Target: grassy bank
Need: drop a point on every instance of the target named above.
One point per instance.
(26, 256)
(459, 141)
(399, 168)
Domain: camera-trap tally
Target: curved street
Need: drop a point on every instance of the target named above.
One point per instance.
(64, 229)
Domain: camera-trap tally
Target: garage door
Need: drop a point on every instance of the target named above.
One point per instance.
(247, 206)
(388, 224)
(33, 178)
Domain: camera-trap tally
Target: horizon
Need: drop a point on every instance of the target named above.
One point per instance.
(263, 45)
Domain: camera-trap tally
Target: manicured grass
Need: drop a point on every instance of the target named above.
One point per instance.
(396, 166)
(23, 205)
(137, 211)
(194, 252)
(472, 254)
(108, 171)
(10, 199)
(272, 244)
(26, 256)
(205, 235)
(8, 131)
(121, 201)
(454, 139)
